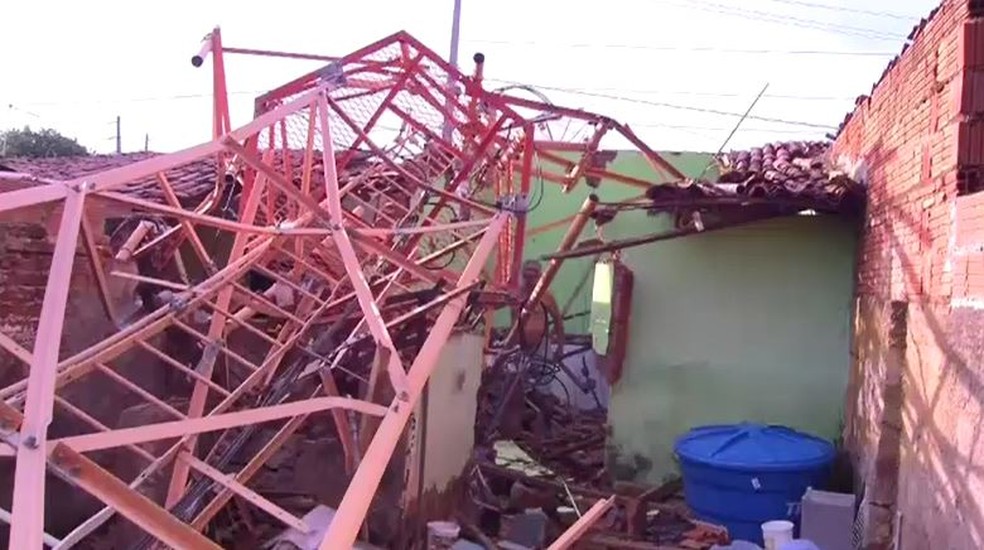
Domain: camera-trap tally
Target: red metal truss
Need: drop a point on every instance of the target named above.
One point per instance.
(383, 175)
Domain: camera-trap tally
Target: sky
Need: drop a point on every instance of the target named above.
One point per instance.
(659, 65)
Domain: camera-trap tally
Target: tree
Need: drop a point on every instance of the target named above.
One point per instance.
(39, 144)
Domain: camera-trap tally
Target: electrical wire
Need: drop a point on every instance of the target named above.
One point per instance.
(693, 49)
(540, 184)
(684, 107)
(762, 16)
(844, 9)
(513, 84)
(176, 97)
(451, 258)
(652, 91)
(744, 130)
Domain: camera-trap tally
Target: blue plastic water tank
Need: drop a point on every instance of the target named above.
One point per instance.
(742, 475)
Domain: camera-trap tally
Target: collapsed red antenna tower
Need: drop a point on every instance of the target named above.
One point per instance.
(383, 175)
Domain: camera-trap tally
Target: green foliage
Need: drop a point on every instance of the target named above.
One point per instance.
(39, 144)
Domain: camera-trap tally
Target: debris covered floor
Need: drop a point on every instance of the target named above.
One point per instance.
(541, 465)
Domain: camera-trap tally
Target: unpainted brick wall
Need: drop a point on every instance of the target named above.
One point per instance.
(914, 406)
(906, 134)
(25, 260)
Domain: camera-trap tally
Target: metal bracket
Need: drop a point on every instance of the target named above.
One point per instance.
(332, 75)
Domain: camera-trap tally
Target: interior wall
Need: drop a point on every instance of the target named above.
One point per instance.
(444, 432)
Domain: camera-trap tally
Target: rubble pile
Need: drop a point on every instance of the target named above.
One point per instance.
(540, 463)
(655, 517)
(572, 442)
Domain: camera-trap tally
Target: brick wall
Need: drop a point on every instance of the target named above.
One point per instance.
(914, 402)
(906, 134)
(25, 260)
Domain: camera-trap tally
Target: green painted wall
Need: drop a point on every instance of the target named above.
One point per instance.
(556, 204)
(750, 323)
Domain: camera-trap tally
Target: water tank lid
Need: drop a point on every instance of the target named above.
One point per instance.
(755, 447)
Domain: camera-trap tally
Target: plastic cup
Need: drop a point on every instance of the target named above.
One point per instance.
(442, 534)
(777, 533)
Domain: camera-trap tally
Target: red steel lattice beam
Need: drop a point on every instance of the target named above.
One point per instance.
(341, 212)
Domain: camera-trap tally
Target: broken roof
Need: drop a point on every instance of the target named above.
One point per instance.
(191, 182)
(779, 177)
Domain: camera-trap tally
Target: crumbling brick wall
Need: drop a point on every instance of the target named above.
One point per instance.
(25, 260)
(26, 247)
(915, 401)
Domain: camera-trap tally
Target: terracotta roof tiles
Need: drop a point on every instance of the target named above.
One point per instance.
(191, 182)
(790, 175)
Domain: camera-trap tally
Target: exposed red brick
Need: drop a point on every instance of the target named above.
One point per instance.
(920, 134)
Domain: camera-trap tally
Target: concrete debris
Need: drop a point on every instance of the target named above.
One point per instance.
(567, 440)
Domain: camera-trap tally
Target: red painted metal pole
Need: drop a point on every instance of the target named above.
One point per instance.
(363, 293)
(27, 526)
(221, 421)
(222, 123)
(31, 196)
(566, 243)
(352, 511)
(582, 525)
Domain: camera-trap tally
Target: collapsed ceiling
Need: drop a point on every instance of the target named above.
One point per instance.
(384, 190)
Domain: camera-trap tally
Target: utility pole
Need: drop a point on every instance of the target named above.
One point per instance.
(146, 143)
(455, 33)
(453, 59)
(119, 143)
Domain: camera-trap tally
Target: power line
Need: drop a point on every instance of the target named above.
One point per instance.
(681, 107)
(575, 91)
(176, 97)
(844, 9)
(724, 94)
(696, 49)
(180, 97)
(701, 93)
(872, 34)
(13, 107)
(719, 128)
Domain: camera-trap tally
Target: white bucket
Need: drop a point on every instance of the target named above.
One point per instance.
(442, 534)
(777, 533)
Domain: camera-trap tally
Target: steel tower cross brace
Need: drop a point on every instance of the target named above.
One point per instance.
(354, 187)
